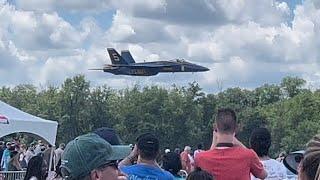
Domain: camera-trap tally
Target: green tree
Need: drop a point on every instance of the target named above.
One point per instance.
(73, 101)
(179, 116)
(292, 86)
(99, 107)
(267, 94)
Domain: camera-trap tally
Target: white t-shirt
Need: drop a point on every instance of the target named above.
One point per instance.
(58, 152)
(275, 170)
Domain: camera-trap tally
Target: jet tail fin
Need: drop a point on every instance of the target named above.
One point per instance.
(115, 57)
(126, 55)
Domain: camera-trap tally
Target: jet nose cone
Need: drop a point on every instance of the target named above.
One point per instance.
(205, 69)
(201, 68)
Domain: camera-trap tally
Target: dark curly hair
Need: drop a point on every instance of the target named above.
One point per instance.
(36, 168)
(199, 174)
(172, 163)
(260, 141)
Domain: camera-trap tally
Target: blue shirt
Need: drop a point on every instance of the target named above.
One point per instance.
(145, 172)
(5, 160)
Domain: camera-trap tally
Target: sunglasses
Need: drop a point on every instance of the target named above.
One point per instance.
(66, 172)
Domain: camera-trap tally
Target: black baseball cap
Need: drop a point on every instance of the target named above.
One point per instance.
(148, 142)
(109, 135)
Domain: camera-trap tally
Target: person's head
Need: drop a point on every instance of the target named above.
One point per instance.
(309, 168)
(148, 146)
(177, 150)
(91, 157)
(187, 149)
(37, 167)
(12, 147)
(42, 148)
(1, 144)
(226, 121)
(172, 163)
(200, 146)
(199, 174)
(62, 146)
(109, 135)
(8, 145)
(260, 141)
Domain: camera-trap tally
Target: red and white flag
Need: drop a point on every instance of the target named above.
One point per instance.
(3, 119)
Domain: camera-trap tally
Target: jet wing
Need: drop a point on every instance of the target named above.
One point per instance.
(95, 69)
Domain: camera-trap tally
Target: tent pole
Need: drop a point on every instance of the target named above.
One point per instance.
(51, 156)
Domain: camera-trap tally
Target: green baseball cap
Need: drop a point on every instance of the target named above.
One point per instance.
(88, 152)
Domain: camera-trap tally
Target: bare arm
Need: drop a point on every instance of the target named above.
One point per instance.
(129, 159)
(263, 175)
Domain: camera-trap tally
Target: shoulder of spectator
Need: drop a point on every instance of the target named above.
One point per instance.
(124, 168)
(252, 154)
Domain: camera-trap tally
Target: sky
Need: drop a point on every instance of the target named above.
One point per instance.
(245, 43)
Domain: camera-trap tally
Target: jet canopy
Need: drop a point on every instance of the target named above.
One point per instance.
(179, 60)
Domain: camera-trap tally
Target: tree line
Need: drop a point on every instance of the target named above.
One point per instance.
(179, 116)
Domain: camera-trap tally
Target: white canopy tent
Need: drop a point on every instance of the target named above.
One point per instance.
(13, 120)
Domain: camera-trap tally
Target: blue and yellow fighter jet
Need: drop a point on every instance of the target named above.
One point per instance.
(124, 64)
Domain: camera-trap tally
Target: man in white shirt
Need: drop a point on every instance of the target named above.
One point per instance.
(58, 153)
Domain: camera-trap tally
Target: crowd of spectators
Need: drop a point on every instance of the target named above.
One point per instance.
(35, 158)
(100, 155)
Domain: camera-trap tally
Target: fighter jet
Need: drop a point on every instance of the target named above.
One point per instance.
(124, 64)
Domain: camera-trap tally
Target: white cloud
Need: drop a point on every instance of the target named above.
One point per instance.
(39, 5)
(33, 42)
(69, 5)
(244, 43)
(214, 12)
(121, 28)
(283, 7)
(62, 34)
(56, 69)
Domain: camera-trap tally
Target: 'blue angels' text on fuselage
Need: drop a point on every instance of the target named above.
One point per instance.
(124, 64)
